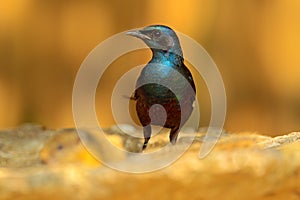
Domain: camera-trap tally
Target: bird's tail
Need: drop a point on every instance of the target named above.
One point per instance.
(129, 97)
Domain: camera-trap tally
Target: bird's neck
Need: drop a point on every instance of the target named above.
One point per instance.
(167, 57)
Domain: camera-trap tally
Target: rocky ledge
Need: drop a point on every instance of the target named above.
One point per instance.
(37, 163)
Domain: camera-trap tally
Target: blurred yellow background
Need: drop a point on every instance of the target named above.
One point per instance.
(255, 44)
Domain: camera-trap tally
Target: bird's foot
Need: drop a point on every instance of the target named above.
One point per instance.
(145, 144)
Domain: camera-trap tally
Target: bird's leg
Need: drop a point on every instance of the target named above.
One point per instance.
(174, 134)
(147, 135)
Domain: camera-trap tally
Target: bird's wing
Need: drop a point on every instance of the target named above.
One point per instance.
(189, 76)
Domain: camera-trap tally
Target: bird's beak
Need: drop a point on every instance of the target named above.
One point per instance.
(138, 34)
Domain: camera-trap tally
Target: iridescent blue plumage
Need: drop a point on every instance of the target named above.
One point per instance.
(165, 81)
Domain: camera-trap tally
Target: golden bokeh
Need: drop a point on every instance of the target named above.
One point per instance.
(255, 44)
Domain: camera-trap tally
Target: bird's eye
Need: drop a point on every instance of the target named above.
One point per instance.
(156, 33)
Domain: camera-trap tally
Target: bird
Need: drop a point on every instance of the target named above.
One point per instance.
(165, 90)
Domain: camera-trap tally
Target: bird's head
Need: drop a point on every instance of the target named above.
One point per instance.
(159, 38)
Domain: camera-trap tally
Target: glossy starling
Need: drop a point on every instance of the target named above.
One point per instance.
(157, 82)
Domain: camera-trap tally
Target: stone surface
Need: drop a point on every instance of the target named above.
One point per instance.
(37, 163)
